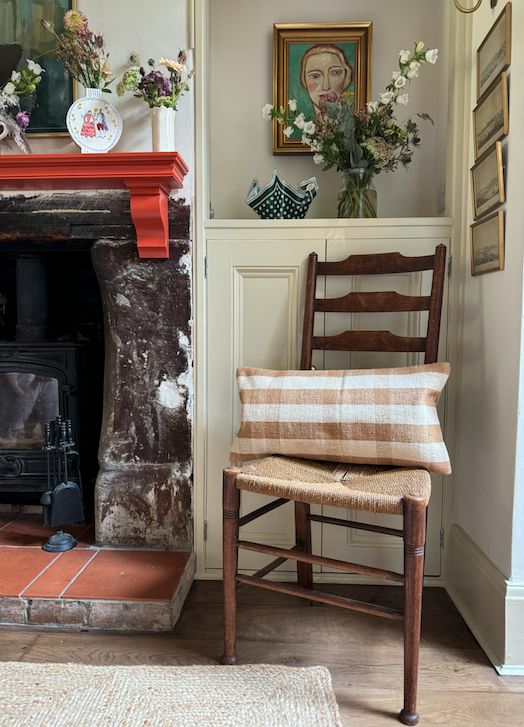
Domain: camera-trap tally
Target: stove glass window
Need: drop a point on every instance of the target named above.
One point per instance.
(27, 402)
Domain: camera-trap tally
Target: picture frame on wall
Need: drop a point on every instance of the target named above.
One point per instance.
(487, 244)
(491, 116)
(487, 182)
(22, 38)
(310, 59)
(494, 53)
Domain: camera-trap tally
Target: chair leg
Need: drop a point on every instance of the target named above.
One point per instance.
(414, 542)
(231, 508)
(303, 538)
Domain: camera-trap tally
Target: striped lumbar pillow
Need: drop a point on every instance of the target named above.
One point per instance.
(369, 416)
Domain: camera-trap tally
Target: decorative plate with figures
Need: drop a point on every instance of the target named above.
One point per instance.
(94, 124)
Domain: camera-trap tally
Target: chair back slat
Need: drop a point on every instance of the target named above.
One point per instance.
(386, 302)
(377, 264)
(369, 341)
(376, 302)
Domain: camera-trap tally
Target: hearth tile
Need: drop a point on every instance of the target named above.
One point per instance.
(124, 575)
(28, 531)
(86, 538)
(5, 520)
(59, 575)
(20, 566)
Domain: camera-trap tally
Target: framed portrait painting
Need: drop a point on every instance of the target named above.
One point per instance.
(494, 53)
(487, 244)
(22, 38)
(487, 182)
(311, 59)
(491, 116)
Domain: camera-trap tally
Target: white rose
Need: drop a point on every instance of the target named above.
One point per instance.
(292, 103)
(403, 99)
(412, 73)
(385, 98)
(266, 111)
(404, 56)
(432, 56)
(318, 158)
(300, 121)
(371, 106)
(35, 67)
(288, 131)
(309, 127)
(419, 47)
(9, 88)
(15, 76)
(400, 82)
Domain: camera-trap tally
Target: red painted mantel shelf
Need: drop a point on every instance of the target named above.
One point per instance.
(149, 176)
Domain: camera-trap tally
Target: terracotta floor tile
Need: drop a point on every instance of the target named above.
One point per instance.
(6, 519)
(86, 537)
(28, 531)
(20, 566)
(123, 575)
(53, 581)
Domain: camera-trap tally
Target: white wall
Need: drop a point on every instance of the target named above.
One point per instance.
(491, 488)
(240, 69)
(156, 29)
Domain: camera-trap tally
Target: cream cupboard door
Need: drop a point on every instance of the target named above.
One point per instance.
(255, 299)
(255, 307)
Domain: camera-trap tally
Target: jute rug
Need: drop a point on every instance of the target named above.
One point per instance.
(72, 695)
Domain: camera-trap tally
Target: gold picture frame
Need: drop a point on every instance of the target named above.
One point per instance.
(295, 48)
(487, 182)
(487, 244)
(491, 116)
(494, 53)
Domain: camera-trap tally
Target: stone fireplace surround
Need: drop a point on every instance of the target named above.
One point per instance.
(143, 494)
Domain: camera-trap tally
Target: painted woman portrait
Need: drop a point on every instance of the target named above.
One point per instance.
(317, 69)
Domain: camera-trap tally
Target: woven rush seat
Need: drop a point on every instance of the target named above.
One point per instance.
(371, 488)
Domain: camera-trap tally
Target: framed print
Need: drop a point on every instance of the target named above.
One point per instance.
(310, 59)
(22, 38)
(494, 54)
(487, 182)
(490, 117)
(487, 244)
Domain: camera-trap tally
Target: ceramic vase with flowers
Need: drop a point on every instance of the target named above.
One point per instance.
(94, 124)
(14, 119)
(160, 91)
(360, 143)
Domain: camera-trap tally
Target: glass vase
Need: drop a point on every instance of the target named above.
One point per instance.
(358, 196)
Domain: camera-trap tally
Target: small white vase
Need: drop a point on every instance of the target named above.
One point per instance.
(163, 128)
(94, 124)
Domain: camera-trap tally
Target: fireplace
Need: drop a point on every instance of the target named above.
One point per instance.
(107, 310)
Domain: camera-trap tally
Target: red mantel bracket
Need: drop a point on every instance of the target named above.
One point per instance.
(149, 176)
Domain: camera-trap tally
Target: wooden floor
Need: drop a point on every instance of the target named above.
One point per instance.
(457, 684)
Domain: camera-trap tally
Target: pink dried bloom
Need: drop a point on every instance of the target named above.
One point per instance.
(76, 22)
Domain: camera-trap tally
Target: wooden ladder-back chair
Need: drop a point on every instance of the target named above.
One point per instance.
(412, 503)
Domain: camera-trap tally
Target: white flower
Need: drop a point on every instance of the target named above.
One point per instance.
(419, 47)
(371, 106)
(318, 158)
(404, 56)
(266, 111)
(400, 82)
(395, 75)
(300, 121)
(9, 88)
(432, 56)
(9, 99)
(292, 103)
(414, 65)
(288, 131)
(412, 73)
(15, 76)
(334, 148)
(35, 67)
(386, 97)
(403, 99)
(309, 127)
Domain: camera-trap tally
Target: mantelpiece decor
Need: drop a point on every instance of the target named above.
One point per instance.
(149, 176)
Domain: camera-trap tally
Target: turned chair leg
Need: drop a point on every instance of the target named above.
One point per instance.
(414, 541)
(231, 508)
(303, 538)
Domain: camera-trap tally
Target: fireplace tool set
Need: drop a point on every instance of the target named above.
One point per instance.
(63, 501)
